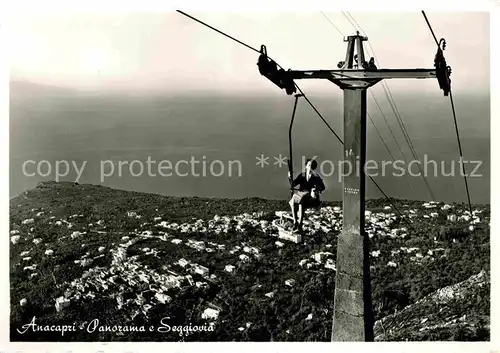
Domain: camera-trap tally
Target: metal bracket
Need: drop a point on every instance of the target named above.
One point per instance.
(443, 71)
(269, 69)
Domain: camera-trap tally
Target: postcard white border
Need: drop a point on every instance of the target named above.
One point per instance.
(51, 6)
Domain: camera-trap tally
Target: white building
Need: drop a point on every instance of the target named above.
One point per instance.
(392, 264)
(163, 298)
(330, 264)
(244, 258)
(202, 270)
(375, 253)
(62, 303)
(210, 314)
(320, 256)
(452, 217)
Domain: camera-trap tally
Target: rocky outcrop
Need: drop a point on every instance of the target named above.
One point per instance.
(458, 312)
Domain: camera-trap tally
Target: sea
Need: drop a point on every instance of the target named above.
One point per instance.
(227, 145)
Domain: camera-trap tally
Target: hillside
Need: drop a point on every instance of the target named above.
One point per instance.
(462, 314)
(139, 260)
(19, 89)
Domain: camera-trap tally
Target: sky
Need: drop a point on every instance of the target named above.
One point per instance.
(169, 52)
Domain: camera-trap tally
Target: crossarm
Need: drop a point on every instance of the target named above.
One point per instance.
(363, 74)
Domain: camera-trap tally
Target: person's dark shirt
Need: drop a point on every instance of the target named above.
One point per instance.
(314, 181)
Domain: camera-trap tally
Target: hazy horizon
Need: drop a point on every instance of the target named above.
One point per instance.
(169, 52)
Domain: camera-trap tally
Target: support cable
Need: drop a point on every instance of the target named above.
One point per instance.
(381, 138)
(333, 24)
(389, 127)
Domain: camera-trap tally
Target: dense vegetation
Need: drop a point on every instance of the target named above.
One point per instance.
(302, 312)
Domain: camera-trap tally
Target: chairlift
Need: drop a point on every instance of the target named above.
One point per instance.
(285, 221)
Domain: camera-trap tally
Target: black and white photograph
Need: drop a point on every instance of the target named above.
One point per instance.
(249, 176)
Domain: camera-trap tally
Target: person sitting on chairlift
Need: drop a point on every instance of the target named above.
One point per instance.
(307, 196)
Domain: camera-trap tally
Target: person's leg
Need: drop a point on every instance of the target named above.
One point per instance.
(304, 204)
(293, 206)
(301, 216)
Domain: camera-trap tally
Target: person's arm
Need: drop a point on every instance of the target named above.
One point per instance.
(297, 180)
(320, 186)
